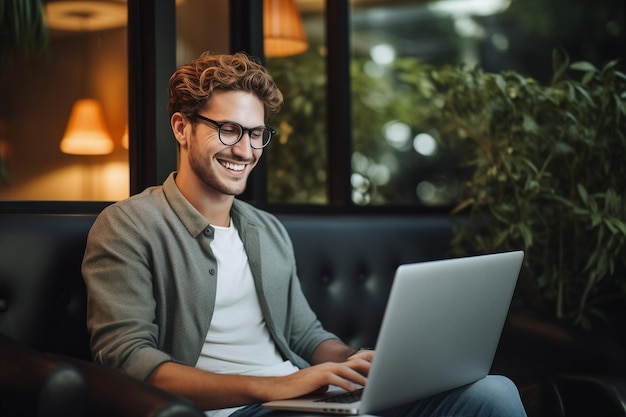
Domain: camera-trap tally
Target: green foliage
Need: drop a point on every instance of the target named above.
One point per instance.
(545, 164)
(396, 94)
(548, 164)
(297, 157)
(22, 28)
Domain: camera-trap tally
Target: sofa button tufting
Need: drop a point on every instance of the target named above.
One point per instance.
(4, 305)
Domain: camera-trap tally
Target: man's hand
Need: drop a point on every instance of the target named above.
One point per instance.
(364, 354)
(334, 363)
(347, 375)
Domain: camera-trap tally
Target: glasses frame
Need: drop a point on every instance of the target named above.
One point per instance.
(243, 130)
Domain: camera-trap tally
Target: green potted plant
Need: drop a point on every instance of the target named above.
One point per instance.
(546, 174)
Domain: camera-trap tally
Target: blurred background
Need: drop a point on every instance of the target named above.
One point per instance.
(395, 158)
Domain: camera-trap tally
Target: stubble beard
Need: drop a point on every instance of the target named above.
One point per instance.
(210, 177)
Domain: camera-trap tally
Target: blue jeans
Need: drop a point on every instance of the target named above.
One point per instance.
(489, 397)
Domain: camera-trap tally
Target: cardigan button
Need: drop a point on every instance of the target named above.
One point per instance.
(212, 271)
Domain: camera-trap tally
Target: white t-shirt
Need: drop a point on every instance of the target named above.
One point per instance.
(238, 341)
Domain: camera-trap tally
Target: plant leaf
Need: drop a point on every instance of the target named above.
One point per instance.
(583, 66)
(583, 193)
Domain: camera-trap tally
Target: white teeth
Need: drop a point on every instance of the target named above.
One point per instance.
(233, 166)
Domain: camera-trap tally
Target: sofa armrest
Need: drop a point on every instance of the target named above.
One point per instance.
(35, 384)
(110, 393)
(560, 369)
(532, 344)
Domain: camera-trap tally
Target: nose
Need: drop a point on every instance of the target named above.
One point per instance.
(243, 148)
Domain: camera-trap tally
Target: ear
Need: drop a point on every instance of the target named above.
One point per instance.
(179, 125)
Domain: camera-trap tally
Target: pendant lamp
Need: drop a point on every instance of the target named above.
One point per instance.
(86, 133)
(283, 31)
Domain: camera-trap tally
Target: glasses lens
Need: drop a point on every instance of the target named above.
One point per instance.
(260, 137)
(230, 133)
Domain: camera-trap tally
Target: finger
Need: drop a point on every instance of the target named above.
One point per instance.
(351, 375)
(360, 365)
(367, 355)
(346, 384)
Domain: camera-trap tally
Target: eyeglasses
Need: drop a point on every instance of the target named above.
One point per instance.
(231, 132)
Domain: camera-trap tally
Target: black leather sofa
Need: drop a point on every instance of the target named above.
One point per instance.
(345, 263)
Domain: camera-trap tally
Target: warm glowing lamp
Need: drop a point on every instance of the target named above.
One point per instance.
(125, 139)
(86, 133)
(283, 31)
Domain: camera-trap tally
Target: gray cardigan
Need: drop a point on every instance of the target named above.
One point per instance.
(151, 282)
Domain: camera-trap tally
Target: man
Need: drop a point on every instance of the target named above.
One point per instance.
(196, 292)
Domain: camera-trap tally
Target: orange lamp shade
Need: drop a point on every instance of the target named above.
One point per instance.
(86, 133)
(126, 139)
(283, 31)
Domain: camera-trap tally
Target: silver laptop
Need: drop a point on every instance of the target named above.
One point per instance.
(441, 328)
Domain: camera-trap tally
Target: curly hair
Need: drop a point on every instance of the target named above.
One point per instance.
(192, 85)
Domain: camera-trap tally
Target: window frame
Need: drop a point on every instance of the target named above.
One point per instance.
(151, 61)
(248, 14)
(152, 151)
(247, 17)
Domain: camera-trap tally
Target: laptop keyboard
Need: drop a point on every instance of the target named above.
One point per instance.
(344, 398)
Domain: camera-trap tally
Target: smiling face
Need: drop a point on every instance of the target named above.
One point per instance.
(206, 163)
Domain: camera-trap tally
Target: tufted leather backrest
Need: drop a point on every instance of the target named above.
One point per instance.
(42, 295)
(345, 263)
